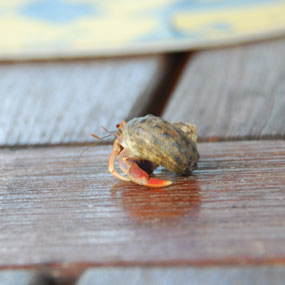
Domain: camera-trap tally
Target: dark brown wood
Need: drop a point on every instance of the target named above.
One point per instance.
(63, 102)
(233, 93)
(59, 211)
(215, 275)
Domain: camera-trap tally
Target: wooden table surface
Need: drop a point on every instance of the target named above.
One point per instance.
(61, 212)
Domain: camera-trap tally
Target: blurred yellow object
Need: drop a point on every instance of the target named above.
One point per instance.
(64, 28)
(238, 22)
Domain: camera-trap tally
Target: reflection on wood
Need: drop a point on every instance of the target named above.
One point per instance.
(159, 205)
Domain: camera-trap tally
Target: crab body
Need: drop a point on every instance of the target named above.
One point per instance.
(144, 143)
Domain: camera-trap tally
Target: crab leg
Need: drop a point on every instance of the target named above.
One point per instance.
(128, 165)
(117, 149)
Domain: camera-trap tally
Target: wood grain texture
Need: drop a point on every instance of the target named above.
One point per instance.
(182, 276)
(63, 102)
(56, 210)
(236, 92)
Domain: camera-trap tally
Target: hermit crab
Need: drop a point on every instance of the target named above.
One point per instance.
(144, 143)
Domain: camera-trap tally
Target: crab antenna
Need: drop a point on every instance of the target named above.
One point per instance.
(98, 138)
(81, 153)
(94, 144)
(109, 132)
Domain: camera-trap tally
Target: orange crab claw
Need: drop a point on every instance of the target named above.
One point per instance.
(154, 182)
(129, 166)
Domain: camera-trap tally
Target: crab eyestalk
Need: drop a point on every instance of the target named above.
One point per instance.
(120, 126)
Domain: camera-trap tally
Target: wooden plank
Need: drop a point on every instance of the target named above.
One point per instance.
(24, 277)
(177, 275)
(58, 210)
(63, 102)
(232, 93)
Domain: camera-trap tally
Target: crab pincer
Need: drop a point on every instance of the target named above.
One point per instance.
(130, 165)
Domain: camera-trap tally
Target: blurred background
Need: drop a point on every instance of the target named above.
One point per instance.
(45, 100)
(68, 28)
